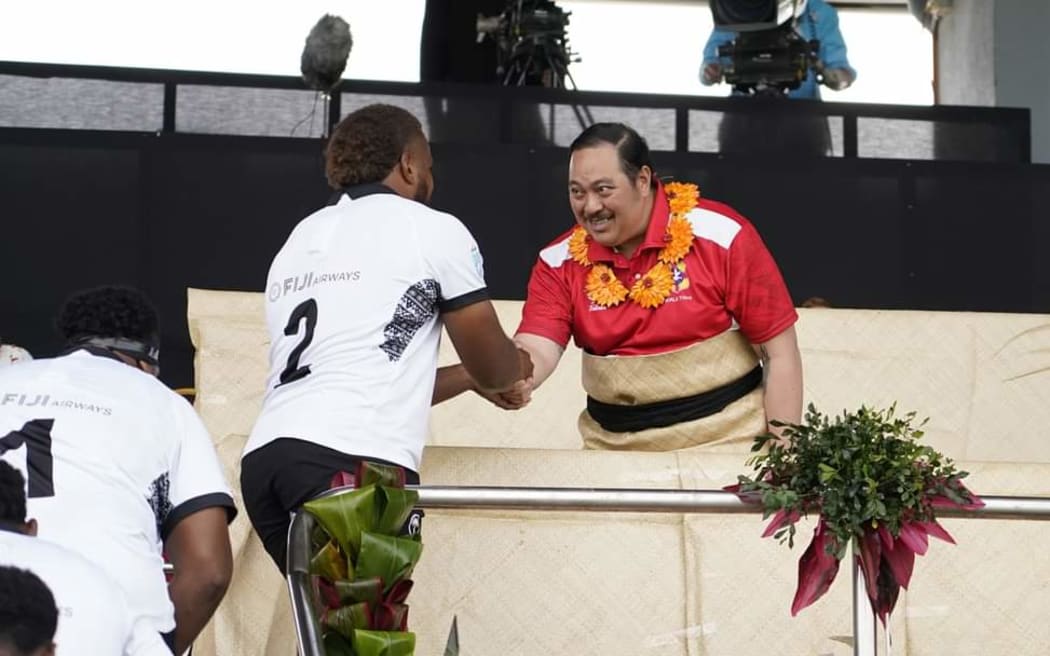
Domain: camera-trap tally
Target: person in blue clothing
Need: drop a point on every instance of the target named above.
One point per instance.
(817, 20)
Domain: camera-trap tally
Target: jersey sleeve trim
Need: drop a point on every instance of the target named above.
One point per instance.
(713, 226)
(190, 506)
(463, 300)
(556, 254)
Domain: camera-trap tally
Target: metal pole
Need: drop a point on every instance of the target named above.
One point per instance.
(864, 627)
(675, 501)
(578, 499)
(304, 615)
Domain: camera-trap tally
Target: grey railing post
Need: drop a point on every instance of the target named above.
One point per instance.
(864, 628)
(304, 615)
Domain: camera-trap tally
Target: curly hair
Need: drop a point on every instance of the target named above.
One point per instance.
(28, 613)
(108, 312)
(12, 495)
(367, 144)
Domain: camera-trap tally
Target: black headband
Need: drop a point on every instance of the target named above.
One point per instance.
(133, 348)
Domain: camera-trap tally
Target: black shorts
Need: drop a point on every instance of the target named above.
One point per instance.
(280, 477)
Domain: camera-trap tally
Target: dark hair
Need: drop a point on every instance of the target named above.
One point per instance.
(630, 146)
(367, 144)
(108, 312)
(28, 613)
(12, 495)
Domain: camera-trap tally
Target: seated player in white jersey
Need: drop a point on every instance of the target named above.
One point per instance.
(94, 618)
(119, 467)
(355, 302)
(28, 614)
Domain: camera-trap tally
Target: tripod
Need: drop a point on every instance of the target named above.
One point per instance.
(543, 60)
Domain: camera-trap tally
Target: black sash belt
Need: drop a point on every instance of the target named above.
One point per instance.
(629, 418)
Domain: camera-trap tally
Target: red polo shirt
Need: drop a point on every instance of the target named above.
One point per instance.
(727, 276)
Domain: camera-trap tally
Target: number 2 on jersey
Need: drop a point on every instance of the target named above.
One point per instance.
(36, 436)
(305, 310)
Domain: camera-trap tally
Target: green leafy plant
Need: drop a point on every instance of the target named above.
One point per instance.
(873, 485)
(361, 568)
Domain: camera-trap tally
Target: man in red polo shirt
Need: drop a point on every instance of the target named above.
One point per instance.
(685, 322)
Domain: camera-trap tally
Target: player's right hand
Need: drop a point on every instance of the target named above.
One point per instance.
(525, 362)
(516, 398)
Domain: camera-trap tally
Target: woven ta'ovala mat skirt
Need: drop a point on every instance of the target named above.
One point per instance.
(633, 380)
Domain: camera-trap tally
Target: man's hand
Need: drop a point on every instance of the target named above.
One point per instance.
(519, 395)
(525, 360)
(837, 79)
(515, 398)
(711, 74)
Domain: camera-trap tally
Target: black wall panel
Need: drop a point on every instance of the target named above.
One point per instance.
(175, 211)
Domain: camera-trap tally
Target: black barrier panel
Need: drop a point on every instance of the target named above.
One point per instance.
(489, 189)
(70, 219)
(834, 231)
(172, 211)
(216, 216)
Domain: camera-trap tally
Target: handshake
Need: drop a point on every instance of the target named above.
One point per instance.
(520, 393)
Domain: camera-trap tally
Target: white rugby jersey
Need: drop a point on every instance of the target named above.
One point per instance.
(93, 616)
(353, 303)
(113, 459)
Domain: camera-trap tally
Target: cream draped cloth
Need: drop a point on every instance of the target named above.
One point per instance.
(641, 379)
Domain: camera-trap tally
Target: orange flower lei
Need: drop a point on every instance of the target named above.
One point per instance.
(653, 288)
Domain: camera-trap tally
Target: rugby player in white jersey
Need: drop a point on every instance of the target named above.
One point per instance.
(355, 302)
(93, 618)
(118, 466)
(28, 614)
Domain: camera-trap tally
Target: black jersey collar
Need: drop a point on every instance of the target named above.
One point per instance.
(360, 191)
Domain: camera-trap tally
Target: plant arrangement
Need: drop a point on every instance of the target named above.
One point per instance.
(362, 565)
(873, 485)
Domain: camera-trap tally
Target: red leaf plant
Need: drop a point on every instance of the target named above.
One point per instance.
(870, 484)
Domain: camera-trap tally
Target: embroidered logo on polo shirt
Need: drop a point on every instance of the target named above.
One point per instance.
(681, 280)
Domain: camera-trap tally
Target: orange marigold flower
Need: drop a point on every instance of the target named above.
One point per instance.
(679, 240)
(578, 246)
(653, 288)
(682, 197)
(604, 288)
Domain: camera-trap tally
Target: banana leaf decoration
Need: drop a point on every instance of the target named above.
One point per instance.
(390, 617)
(344, 620)
(330, 563)
(352, 592)
(373, 473)
(388, 558)
(383, 643)
(337, 645)
(344, 516)
(395, 507)
(361, 568)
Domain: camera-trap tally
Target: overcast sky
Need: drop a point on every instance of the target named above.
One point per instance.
(890, 50)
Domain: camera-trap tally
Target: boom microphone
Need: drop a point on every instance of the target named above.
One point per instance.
(324, 56)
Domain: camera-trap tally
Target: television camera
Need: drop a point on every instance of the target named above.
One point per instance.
(532, 43)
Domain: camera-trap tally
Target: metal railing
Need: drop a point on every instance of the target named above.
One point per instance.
(308, 630)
